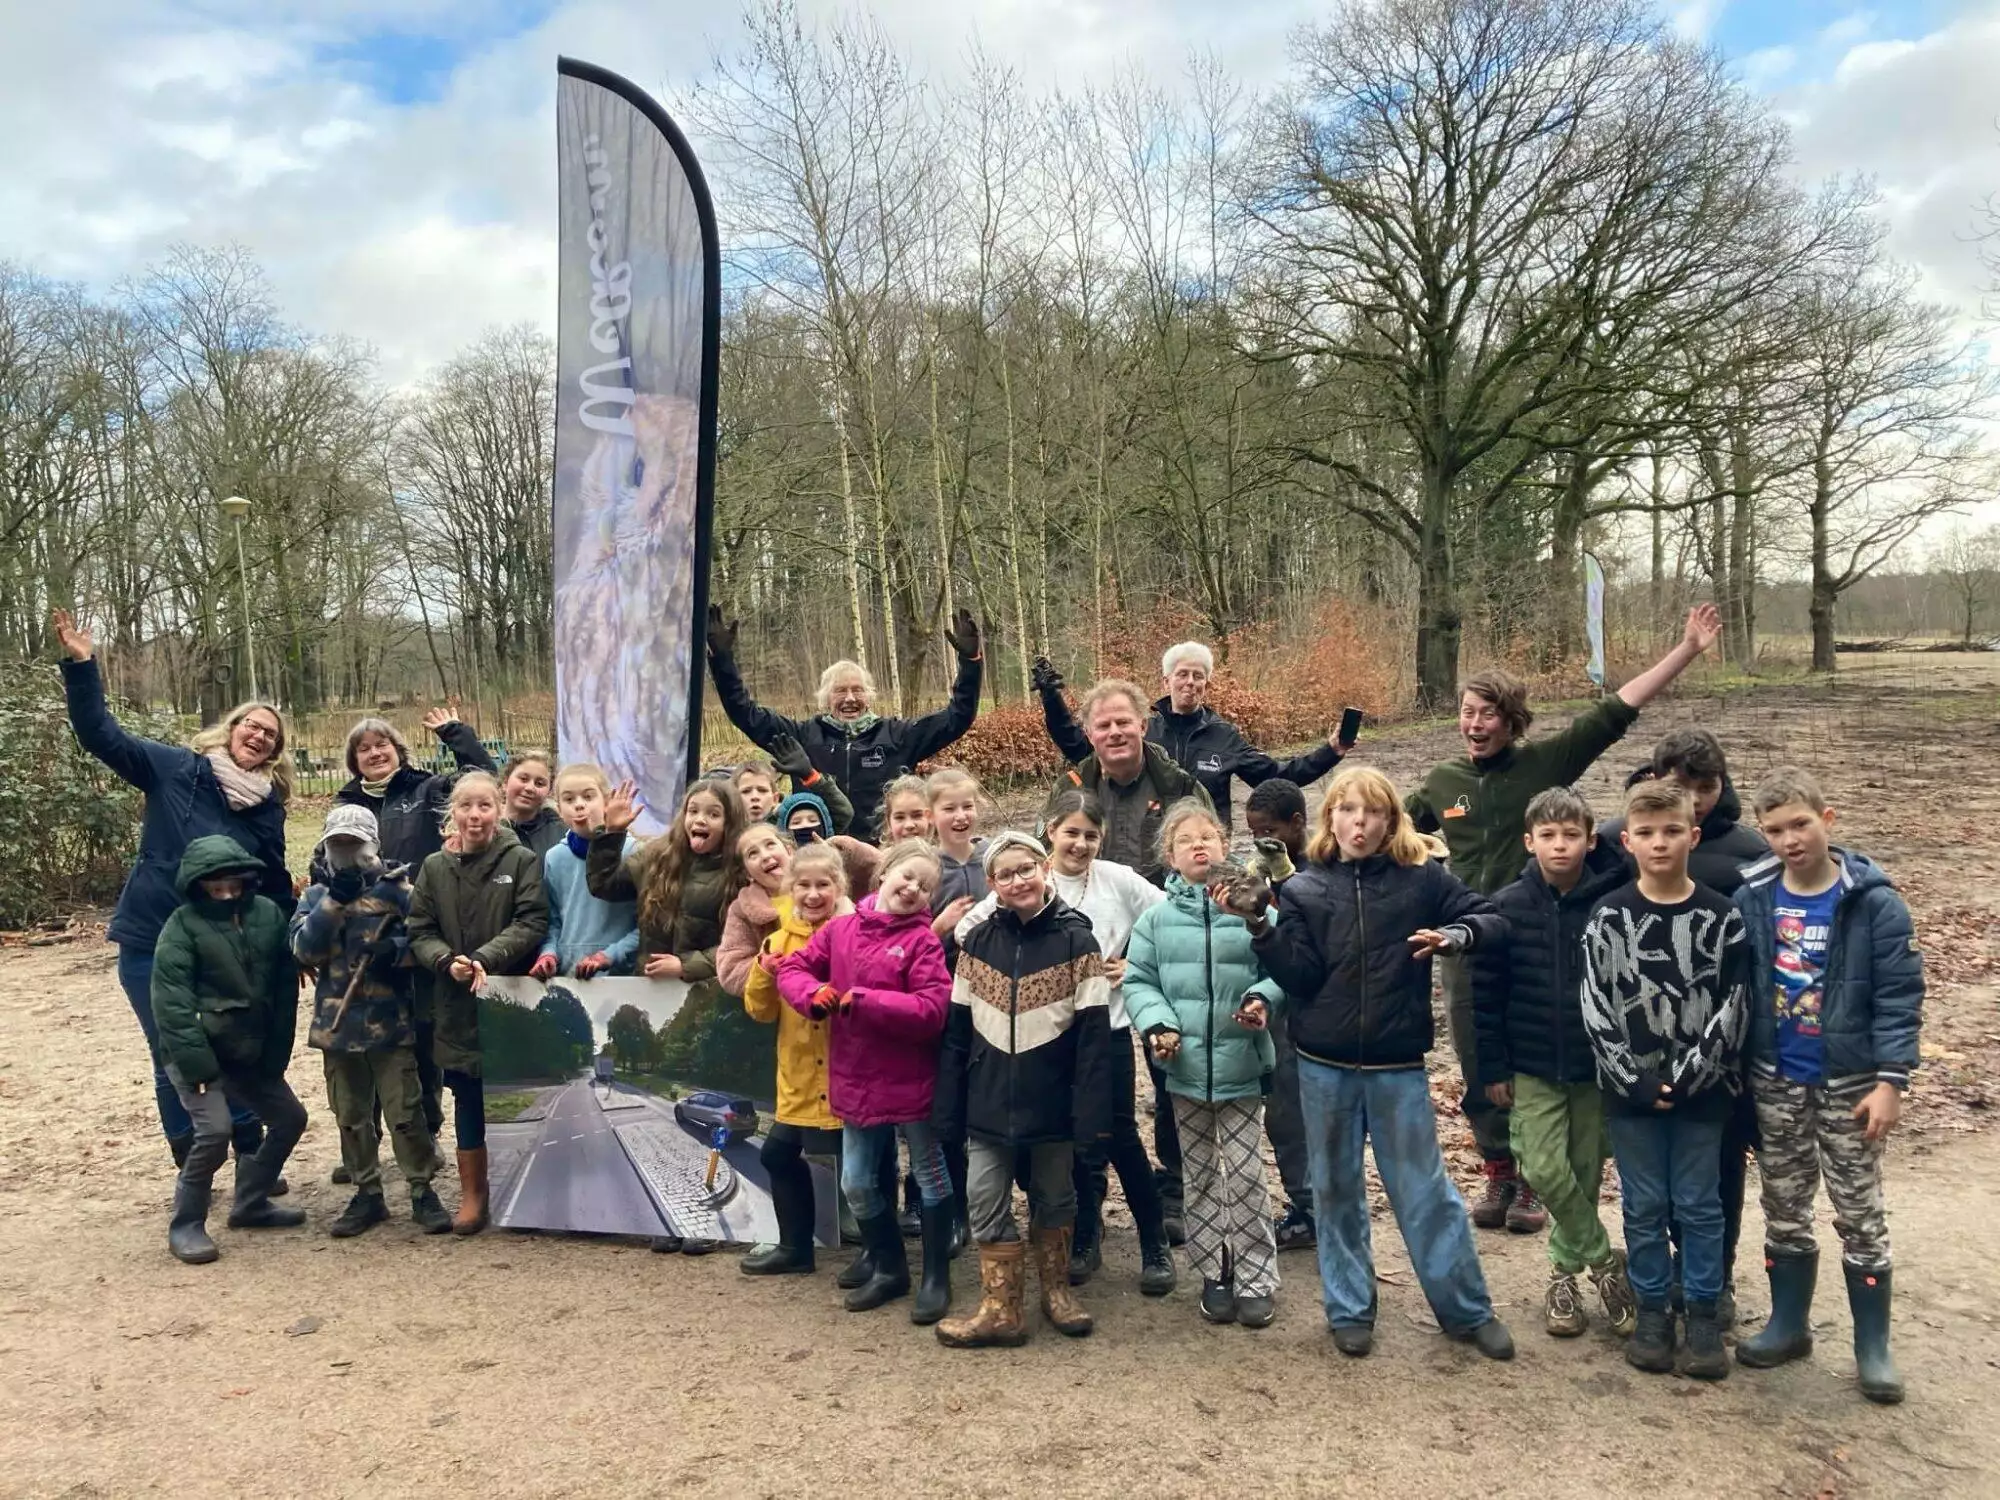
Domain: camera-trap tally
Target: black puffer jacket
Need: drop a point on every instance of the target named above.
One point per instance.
(410, 812)
(866, 760)
(1341, 949)
(1204, 744)
(1727, 843)
(1527, 988)
(1028, 1045)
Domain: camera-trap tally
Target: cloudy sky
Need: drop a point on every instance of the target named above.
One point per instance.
(391, 162)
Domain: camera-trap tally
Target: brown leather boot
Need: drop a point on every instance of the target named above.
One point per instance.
(472, 1211)
(997, 1321)
(1059, 1304)
(1490, 1211)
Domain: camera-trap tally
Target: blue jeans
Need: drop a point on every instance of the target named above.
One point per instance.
(135, 976)
(1670, 1171)
(865, 1148)
(1343, 1109)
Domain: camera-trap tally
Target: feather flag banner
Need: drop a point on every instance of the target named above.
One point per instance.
(640, 292)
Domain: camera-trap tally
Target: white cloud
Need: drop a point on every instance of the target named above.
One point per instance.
(1697, 18)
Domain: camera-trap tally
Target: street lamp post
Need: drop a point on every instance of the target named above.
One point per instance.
(236, 508)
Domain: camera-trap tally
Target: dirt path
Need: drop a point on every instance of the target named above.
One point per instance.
(524, 1365)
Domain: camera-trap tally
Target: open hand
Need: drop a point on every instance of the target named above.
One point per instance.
(72, 637)
(721, 632)
(1428, 941)
(1704, 628)
(946, 922)
(963, 634)
(544, 967)
(790, 758)
(663, 966)
(437, 720)
(1879, 1111)
(622, 807)
(1043, 676)
(597, 963)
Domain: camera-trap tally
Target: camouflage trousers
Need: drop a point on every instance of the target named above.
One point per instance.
(1809, 1133)
(354, 1081)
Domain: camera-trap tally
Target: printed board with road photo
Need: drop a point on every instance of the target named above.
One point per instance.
(632, 1106)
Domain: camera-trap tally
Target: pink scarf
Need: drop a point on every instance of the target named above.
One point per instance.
(240, 787)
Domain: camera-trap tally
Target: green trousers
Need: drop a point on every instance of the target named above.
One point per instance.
(1559, 1140)
(354, 1082)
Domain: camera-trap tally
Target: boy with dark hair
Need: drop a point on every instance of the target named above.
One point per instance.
(1832, 1044)
(1275, 812)
(1665, 978)
(1694, 758)
(1535, 1053)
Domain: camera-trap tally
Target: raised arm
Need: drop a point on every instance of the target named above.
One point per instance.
(934, 732)
(1704, 628)
(462, 740)
(760, 724)
(1064, 731)
(142, 762)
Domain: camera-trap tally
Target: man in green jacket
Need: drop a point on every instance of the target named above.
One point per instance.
(226, 1004)
(1477, 805)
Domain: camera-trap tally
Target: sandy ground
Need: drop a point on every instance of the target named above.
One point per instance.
(532, 1365)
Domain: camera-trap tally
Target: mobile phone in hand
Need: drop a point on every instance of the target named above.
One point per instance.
(1350, 726)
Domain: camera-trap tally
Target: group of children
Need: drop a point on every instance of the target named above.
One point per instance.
(977, 1005)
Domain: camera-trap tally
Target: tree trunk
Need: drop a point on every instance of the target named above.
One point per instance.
(850, 538)
(1438, 619)
(1565, 543)
(1825, 592)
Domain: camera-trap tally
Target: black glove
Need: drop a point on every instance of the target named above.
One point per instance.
(721, 633)
(1044, 677)
(790, 757)
(964, 635)
(346, 885)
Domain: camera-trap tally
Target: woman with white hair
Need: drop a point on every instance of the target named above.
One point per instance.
(1199, 740)
(847, 740)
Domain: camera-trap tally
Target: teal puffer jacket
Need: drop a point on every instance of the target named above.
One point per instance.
(1187, 969)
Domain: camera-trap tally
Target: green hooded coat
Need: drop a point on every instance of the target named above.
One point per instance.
(488, 906)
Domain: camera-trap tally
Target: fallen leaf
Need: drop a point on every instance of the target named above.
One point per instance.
(304, 1326)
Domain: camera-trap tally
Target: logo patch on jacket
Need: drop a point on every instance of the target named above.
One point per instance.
(897, 952)
(873, 759)
(1209, 763)
(503, 878)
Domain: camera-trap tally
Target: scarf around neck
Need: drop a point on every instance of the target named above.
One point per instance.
(240, 788)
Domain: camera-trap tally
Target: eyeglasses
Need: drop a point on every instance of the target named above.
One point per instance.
(262, 731)
(1016, 877)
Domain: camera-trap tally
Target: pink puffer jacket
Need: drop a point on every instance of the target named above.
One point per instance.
(883, 1054)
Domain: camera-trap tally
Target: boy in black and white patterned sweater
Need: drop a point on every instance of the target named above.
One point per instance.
(1665, 1000)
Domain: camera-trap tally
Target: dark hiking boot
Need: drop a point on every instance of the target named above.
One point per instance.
(1706, 1358)
(934, 1291)
(428, 1214)
(363, 1212)
(1255, 1312)
(1562, 1306)
(1085, 1256)
(1295, 1230)
(1788, 1334)
(187, 1232)
(1356, 1340)
(1491, 1339)
(1614, 1292)
(1868, 1300)
(778, 1260)
(659, 1244)
(890, 1277)
(1489, 1210)
(1725, 1305)
(1156, 1271)
(1218, 1301)
(1525, 1215)
(1651, 1347)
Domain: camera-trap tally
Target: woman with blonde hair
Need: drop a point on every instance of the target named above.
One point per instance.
(1352, 947)
(230, 779)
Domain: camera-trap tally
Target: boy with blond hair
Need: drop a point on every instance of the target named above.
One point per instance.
(1833, 1039)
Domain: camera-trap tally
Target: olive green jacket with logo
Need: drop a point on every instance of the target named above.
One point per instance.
(489, 907)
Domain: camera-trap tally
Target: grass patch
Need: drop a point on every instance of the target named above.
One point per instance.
(502, 1109)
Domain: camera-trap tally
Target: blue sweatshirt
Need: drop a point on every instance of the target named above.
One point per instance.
(579, 923)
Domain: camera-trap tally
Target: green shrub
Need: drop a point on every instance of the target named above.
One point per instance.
(72, 827)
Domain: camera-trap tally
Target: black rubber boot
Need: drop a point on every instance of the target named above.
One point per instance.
(911, 1220)
(1868, 1299)
(1085, 1256)
(793, 1253)
(253, 1208)
(891, 1278)
(857, 1272)
(178, 1146)
(1788, 1335)
(187, 1234)
(934, 1293)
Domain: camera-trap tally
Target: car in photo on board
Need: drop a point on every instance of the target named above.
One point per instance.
(704, 1110)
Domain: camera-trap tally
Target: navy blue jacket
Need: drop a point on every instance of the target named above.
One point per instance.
(184, 802)
(1872, 1001)
(1527, 990)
